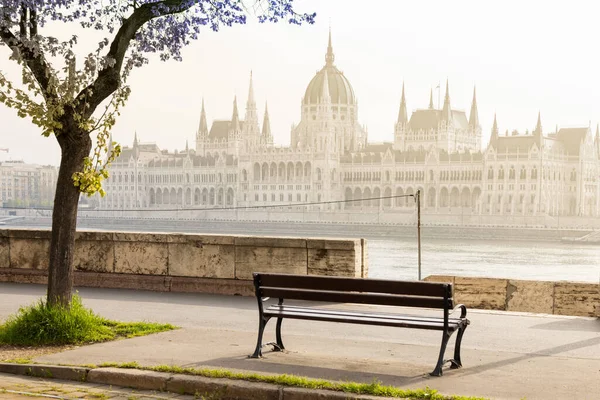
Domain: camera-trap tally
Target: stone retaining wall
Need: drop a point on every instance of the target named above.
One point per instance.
(179, 262)
(561, 298)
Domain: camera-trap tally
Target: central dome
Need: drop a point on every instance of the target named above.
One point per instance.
(340, 90)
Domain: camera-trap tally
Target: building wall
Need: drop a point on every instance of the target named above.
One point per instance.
(27, 185)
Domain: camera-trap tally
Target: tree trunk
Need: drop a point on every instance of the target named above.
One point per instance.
(75, 146)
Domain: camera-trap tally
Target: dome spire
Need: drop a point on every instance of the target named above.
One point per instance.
(329, 57)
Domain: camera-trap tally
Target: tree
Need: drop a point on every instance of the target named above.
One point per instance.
(63, 101)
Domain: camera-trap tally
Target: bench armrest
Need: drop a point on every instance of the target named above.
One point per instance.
(264, 298)
(463, 310)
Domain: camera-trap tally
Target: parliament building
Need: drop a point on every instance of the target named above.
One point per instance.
(438, 151)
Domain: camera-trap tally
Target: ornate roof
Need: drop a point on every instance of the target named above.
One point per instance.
(429, 119)
(340, 90)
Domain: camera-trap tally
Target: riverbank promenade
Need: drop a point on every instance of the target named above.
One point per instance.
(505, 355)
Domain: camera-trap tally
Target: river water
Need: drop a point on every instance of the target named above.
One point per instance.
(397, 259)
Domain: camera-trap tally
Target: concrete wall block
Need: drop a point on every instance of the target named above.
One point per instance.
(256, 241)
(140, 237)
(530, 296)
(269, 259)
(202, 239)
(201, 260)
(121, 281)
(230, 287)
(29, 253)
(580, 299)
(30, 234)
(330, 262)
(439, 279)
(141, 258)
(482, 293)
(94, 255)
(4, 252)
(94, 236)
(333, 244)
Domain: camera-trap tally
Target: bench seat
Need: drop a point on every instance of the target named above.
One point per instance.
(375, 292)
(366, 318)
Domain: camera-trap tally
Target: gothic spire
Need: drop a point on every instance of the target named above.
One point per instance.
(402, 114)
(598, 132)
(538, 126)
(267, 137)
(187, 147)
(329, 57)
(495, 129)
(447, 111)
(431, 99)
(251, 103)
(235, 119)
(135, 140)
(203, 126)
(474, 117)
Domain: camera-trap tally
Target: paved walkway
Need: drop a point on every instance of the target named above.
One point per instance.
(22, 387)
(505, 355)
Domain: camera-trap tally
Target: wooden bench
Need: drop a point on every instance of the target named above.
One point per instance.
(361, 291)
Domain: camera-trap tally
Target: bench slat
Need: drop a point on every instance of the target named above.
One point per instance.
(353, 297)
(362, 320)
(341, 284)
(325, 311)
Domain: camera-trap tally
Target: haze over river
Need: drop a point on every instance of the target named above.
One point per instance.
(392, 251)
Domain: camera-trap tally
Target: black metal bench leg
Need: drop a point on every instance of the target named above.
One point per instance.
(456, 362)
(261, 328)
(278, 335)
(438, 368)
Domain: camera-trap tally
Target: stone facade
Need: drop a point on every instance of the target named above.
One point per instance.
(27, 185)
(437, 151)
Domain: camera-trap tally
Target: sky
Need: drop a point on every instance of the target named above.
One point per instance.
(523, 57)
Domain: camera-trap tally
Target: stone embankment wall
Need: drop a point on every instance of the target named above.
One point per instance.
(561, 298)
(179, 262)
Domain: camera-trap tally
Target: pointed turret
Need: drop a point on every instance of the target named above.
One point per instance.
(202, 126)
(402, 114)
(537, 133)
(250, 101)
(447, 111)
(266, 136)
(431, 99)
(494, 129)
(329, 57)
(187, 147)
(235, 119)
(538, 127)
(474, 116)
(597, 133)
(135, 140)
(251, 130)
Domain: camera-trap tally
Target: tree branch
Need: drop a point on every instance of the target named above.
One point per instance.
(109, 78)
(34, 59)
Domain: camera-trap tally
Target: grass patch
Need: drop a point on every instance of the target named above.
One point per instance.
(375, 388)
(41, 325)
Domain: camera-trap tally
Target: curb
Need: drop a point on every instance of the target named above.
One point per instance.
(178, 383)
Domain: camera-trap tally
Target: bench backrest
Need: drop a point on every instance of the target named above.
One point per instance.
(354, 290)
